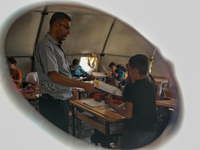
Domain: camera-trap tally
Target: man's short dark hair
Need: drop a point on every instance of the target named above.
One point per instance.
(140, 62)
(112, 64)
(11, 60)
(58, 17)
(75, 62)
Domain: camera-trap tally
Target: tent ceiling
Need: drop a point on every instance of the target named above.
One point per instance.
(89, 33)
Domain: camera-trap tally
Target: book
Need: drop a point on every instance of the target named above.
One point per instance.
(104, 87)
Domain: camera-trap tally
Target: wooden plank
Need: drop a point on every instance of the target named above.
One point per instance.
(75, 96)
(107, 114)
(173, 103)
(91, 122)
(31, 96)
(97, 123)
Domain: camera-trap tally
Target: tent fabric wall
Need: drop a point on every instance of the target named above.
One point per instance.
(22, 34)
(89, 32)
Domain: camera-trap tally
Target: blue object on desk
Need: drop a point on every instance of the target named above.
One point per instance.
(121, 74)
(104, 107)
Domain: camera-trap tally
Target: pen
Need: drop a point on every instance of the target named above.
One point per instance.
(104, 107)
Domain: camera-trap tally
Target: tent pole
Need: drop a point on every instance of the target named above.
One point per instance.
(102, 53)
(151, 61)
(44, 13)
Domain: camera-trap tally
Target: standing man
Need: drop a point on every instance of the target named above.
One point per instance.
(56, 81)
(139, 107)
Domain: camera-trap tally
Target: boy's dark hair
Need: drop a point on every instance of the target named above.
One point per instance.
(58, 17)
(112, 64)
(75, 62)
(11, 60)
(140, 62)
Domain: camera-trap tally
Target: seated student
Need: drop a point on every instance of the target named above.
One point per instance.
(127, 80)
(77, 71)
(97, 136)
(33, 80)
(15, 73)
(117, 70)
(139, 107)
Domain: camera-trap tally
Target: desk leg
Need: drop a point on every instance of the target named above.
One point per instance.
(79, 95)
(107, 128)
(73, 122)
(79, 128)
(79, 125)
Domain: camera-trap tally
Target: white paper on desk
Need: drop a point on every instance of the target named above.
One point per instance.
(94, 103)
(81, 89)
(107, 88)
(37, 95)
(113, 110)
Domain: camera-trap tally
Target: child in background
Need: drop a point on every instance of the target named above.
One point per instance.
(77, 71)
(15, 73)
(117, 71)
(123, 83)
(33, 80)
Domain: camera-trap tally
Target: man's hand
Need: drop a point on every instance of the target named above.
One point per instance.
(61, 79)
(90, 88)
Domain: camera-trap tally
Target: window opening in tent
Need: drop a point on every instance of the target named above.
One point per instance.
(89, 64)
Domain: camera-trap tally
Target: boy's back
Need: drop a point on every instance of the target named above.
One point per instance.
(142, 94)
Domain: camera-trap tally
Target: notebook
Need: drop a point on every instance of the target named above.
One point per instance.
(104, 87)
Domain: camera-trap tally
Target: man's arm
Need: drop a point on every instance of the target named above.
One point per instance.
(61, 79)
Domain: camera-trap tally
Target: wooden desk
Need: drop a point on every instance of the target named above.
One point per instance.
(82, 94)
(100, 76)
(106, 115)
(172, 103)
(33, 98)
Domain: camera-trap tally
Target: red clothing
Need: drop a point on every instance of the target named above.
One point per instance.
(116, 99)
(17, 75)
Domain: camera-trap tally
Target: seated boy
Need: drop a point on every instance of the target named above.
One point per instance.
(15, 73)
(77, 71)
(33, 80)
(117, 71)
(139, 107)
